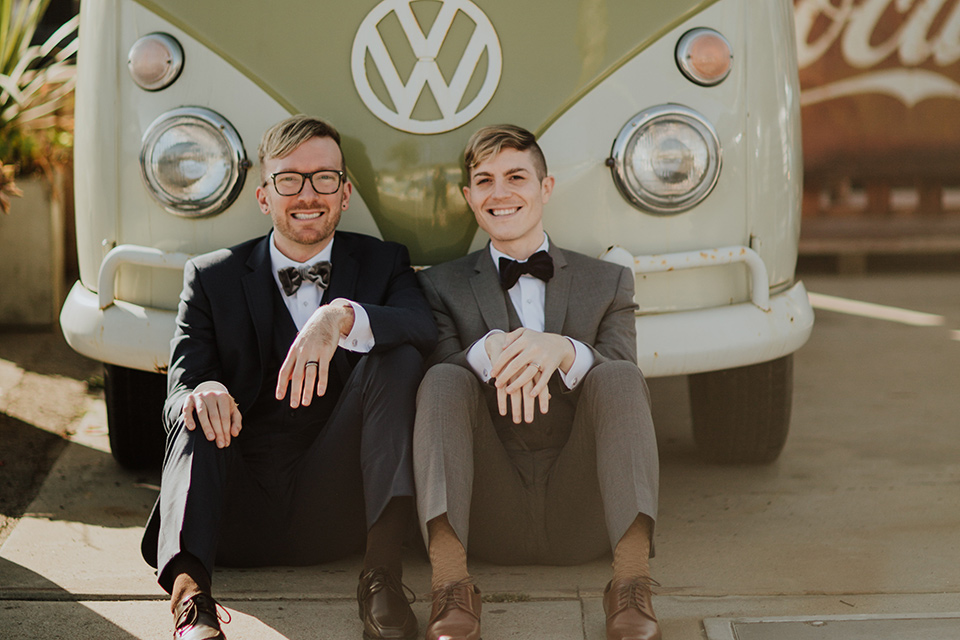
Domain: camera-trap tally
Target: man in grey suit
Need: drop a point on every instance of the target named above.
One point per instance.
(533, 438)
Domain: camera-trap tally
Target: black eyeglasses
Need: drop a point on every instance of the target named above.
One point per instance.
(290, 183)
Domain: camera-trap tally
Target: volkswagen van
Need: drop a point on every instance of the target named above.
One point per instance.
(672, 129)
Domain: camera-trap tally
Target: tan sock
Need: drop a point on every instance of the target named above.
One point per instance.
(190, 578)
(631, 558)
(447, 555)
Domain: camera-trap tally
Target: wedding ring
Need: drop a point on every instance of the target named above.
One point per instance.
(537, 365)
(312, 362)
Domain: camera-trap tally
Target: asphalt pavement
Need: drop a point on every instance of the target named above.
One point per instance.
(854, 532)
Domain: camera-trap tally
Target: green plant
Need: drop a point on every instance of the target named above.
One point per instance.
(36, 85)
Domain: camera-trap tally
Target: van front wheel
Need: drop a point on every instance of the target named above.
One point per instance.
(742, 415)
(134, 402)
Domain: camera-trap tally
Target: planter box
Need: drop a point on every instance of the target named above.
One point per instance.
(32, 255)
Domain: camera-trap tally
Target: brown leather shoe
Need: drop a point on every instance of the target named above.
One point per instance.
(384, 607)
(629, 610)
(197, 619)
(455, 614)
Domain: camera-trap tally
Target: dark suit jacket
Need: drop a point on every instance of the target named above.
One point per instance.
(587, 299)
(225, 321)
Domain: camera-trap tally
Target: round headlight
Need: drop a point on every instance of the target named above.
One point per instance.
(704, 56)
(155, 61)
(193, 162)
(666, 159)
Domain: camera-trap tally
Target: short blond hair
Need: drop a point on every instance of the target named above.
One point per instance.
(489, 141)
(283, 138)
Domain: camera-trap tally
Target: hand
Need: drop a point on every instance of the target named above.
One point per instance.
(216, 411)
(307, 364)
(523, 368)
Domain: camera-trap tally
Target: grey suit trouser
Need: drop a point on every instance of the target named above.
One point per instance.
(563, 504)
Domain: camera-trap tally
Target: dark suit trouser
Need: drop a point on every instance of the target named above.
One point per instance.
(279, 505)
(554, 505)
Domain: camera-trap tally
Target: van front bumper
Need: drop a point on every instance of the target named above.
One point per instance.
(680, 342)
(97, 325)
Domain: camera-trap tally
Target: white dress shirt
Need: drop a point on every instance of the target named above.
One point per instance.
(306, 300)
(528, 297)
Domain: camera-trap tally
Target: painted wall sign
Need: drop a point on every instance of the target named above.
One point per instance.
(426, 75)
(899, 48)
(880, 89)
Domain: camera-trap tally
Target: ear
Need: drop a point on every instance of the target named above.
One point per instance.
(262, 200)
(546, 188)
(345, 198)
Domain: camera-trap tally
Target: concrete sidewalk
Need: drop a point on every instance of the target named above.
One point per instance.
(859, 517)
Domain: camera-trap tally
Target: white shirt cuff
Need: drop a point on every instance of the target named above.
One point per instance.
(360, 339)
(582, 363)
(478, 359)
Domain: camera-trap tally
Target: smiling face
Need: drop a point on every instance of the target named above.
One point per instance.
(507, 198)
(304, 223)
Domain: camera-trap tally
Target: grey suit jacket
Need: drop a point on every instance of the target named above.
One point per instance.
(587, 299)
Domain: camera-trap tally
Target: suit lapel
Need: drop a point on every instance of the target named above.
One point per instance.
(258, 288)
(489, 296)
(557, 297)
(346, 270)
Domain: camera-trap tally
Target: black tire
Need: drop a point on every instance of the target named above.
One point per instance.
(742, 415)
(134, 402)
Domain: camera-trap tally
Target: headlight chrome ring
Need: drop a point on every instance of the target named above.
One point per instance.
(666, 159)
(193, 162)
(155, 61)
(704, 56)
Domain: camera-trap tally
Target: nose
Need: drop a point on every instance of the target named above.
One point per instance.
(500, 188)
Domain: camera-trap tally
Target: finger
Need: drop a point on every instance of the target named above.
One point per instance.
(236, 420)
(544, 397)
(225, 415)
(204, 419)
(529, 403)
(515, 371)
(216, 421)
(323, 370)
(286, 372)
(502, 400)
(296, 383)
(541, 382)
(525, 375)
(187, 413)
(309, 381)
(516, 406)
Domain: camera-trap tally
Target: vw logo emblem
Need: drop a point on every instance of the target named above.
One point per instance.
(426, 74)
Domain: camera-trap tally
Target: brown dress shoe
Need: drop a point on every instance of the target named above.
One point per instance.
(196, 619)
(455, 614)
(384, 607)
(629, 610)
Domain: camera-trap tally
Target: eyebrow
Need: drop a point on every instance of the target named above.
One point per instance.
(507, 172)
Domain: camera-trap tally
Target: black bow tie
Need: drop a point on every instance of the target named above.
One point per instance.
(539, 265)
(292, 277)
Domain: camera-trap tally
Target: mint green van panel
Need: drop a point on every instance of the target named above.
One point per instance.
(299, 52)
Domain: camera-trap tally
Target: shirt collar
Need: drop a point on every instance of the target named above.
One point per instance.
(496, 255)
(279, 261)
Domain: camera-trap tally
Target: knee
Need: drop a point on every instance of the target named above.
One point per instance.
(446, 380)
(614, 373)
(402, 358)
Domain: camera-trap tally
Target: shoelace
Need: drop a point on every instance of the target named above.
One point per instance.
(632, 593)
(191, 613)
(382, 578)
(449, 595)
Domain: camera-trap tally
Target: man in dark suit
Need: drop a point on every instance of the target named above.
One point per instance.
(533, 438)
(251, 478)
